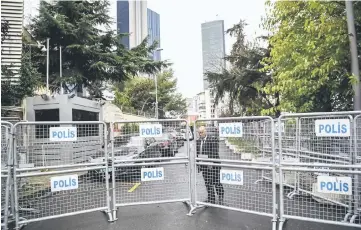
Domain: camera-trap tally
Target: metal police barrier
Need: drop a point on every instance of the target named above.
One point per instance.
(314, 167)
(7, 201)
(302, 143)
(357, 162)
(153, 166)
(230, 165)
(60, 170)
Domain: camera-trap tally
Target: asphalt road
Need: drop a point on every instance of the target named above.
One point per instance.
(251, 196)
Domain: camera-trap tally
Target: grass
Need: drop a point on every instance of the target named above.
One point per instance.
(245, 145)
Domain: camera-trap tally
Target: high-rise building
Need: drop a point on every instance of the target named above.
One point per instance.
(12, 13)
(213, 48)
(154, 32)
(213, 52)
(132, 19)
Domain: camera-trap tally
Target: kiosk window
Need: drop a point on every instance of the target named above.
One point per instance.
(42, 131)
(85, 130)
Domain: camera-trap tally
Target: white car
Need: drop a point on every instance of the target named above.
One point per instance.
(190, 135)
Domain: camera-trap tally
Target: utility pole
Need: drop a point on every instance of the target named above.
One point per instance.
(156, 89)
(47, 65)
(61, 71)
(156, 96)
(354, 55)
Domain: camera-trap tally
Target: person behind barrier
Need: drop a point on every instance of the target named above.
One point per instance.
(208, 147)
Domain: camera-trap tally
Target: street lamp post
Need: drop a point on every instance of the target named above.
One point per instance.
(47, 65)
(156, 96)
(156, 89)
(354, 55)
(61, 71)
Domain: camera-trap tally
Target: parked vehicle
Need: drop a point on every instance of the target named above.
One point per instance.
(168, 145)
(137, 148)
(178, 137)
(190, 135)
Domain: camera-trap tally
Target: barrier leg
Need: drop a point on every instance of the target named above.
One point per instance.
(281, 223)
(274, 224)
(193, 208)
(354, 217)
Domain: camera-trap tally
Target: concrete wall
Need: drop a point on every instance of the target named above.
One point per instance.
(63, 103)
(37, 150)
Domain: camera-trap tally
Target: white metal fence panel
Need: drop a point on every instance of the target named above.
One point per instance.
(232, 165)
(60, 170)
(323, 151)
(331, 198)
(151, 164)
(357, 161)
(7, 201)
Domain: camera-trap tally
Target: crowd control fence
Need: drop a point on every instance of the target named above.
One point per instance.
(233, 178)
(59, 170)
(153, 167)
(318, 171)
(300, 166)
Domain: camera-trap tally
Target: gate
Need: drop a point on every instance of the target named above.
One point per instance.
(60, 170)
(7, 202)
(150, 162)
(241, 177)
(316, 165)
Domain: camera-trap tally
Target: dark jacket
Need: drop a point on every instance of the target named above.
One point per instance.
(210, 148)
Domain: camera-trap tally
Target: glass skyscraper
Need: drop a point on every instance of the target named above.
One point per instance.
(123, 21)
(134, 18)
(154, 31)
(213, 48)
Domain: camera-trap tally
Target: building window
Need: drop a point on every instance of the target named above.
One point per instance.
(42, 131)
(85, 130)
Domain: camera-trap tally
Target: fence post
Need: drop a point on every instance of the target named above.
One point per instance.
(113, 197)
(280, 174)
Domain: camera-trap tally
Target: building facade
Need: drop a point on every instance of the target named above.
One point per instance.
(213, 53)
(154, 32)
(213, 48)
(12, 13)
(201, 105)
(132, 20)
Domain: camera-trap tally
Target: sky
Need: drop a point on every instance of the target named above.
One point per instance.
(180, 28)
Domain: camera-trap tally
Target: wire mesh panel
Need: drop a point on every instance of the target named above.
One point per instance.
(6, 162)
(323, 143)
(61, 169)
(57, 144)
(232, 165)
(150, 161)
(325, 139)
(311, 139)
(357, 161)
(328, 202)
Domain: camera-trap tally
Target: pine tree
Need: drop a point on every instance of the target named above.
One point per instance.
(91, 53)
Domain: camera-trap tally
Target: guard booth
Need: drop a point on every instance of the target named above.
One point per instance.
(59, 108)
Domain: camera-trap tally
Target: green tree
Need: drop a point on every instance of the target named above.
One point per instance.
(243, 82)
(309, 57)
(90, 56)
(138, 93)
